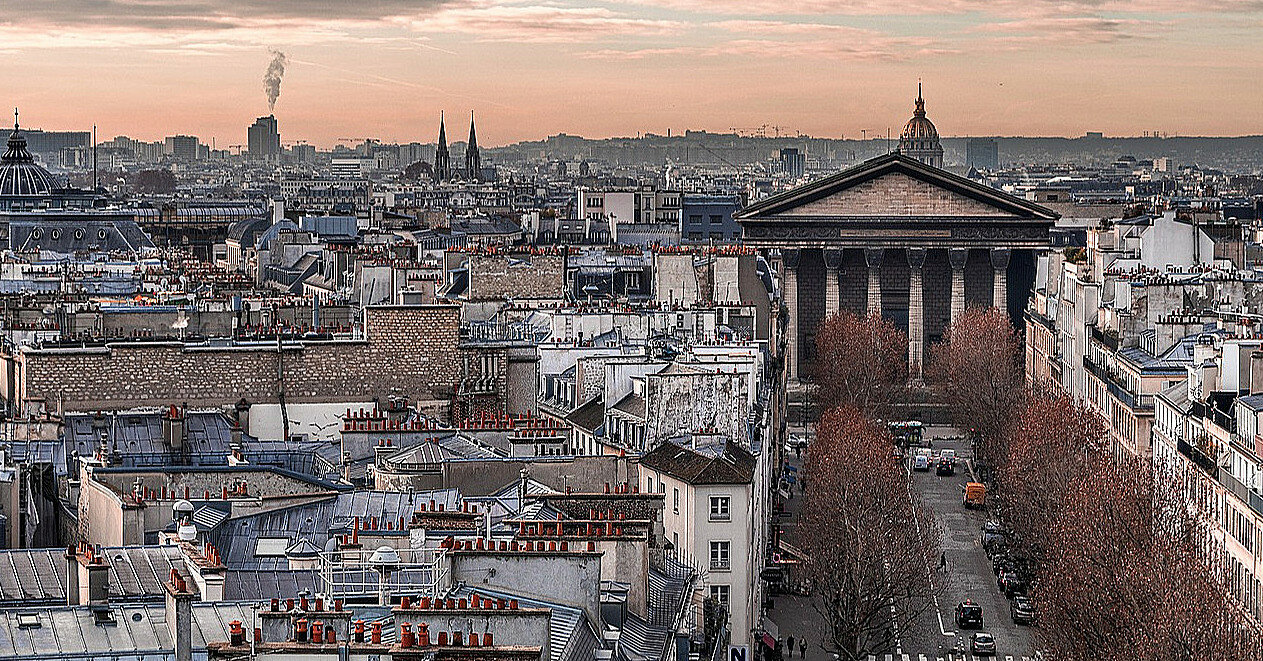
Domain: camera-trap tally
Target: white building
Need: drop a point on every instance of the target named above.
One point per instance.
(714, 517)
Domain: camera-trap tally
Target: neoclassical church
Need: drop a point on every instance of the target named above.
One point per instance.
(899, 236)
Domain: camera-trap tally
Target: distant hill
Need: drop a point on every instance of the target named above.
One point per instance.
(1236, 155)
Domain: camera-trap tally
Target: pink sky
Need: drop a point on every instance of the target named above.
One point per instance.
(385, 68)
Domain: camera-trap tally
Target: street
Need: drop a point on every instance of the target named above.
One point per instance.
(968, 575)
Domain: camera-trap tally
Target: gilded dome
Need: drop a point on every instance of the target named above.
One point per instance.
(919, 138)
(20, 175)
(919, 127)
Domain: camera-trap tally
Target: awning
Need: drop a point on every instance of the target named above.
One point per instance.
(769, 641)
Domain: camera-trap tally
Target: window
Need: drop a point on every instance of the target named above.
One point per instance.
(719, 560)
(695, 219)
(675, 540)
(716, 219)
(719, 593)
(271, 547)
(719, 508)
(675, 501)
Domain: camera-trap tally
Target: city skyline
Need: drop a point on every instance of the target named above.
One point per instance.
(385, 69)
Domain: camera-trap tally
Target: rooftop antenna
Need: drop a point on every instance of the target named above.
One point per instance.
(15, 119)
(94, 176)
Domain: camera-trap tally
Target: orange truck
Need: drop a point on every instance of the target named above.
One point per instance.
(975, 495)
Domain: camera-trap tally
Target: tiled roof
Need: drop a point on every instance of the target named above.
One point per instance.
(590, 416)
(732, 466)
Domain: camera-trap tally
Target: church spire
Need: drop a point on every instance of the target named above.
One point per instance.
(473, 158)
(442, 159)
(920, 111)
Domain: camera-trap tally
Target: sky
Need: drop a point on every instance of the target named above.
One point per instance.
(832, 68)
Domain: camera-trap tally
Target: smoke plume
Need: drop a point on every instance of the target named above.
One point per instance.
(272, 79)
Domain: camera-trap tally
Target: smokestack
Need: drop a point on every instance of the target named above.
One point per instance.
(272, 79)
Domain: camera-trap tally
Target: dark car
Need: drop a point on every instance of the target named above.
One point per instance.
(968, 615)
(982, 643)
(994, 535)
(945, 466)
(1023, 610)
(1012, 583)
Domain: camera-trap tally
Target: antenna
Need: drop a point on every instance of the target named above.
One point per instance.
(94, 176)
(15, 118)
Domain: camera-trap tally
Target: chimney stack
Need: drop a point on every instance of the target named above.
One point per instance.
(173, 428)
(1256, 372)
(180, 615)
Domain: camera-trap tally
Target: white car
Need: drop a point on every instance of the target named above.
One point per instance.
(920, 462)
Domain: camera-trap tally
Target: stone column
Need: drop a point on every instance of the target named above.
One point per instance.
(873, 257)
(916, 314)
(832, 291)
(789, 260)
(958, 257)
(1000, 290)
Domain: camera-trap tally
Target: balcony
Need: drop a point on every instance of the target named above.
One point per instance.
(1199, 457)
(720, 565)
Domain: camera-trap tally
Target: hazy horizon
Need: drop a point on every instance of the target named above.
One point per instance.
(829, 68)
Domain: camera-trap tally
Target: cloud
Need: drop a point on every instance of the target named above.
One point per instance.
(1072, 30)
(877, 48)
(192, 15)
(819, 8)
(542, 23)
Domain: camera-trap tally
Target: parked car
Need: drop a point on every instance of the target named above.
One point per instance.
(1022, 610)
(1012, 583)
(982, 644)
(968, 615)
(993, 537)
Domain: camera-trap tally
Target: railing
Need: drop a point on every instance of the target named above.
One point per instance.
(1197, 456)
(720, 565)
(352, 573)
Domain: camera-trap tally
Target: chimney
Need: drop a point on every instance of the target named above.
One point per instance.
(87, 577)
(180, 615)
(1256, 372)
(72, 576)
(242, 408)
(173, 428)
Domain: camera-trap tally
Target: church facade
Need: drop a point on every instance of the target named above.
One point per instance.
(900, 238)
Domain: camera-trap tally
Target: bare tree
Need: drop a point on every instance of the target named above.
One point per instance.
(1130, 574)
(861, 362)
(977, 371)
(1051, 443)
(869, 543)
(1126, 566)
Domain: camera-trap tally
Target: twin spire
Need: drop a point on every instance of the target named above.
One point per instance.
(443, 158)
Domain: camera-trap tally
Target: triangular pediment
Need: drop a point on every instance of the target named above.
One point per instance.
(893, 186)
(891, 195)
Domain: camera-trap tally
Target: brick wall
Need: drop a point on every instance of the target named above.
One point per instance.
(412, 351)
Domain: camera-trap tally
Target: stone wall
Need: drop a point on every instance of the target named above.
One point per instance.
(411, 351)
(501, 276)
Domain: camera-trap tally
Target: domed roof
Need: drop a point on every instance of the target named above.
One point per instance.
(20, 175)
(919, 127)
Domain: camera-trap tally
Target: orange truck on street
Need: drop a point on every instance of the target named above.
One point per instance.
(975, 495)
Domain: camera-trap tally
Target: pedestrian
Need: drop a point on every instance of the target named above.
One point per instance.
(802, 648)
(942, 560)
(789, 645)
(798, 451)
